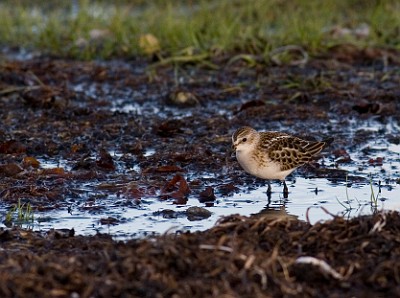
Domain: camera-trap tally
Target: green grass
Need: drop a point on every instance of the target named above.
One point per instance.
(184, 28)
(20, 214)
(373, 197)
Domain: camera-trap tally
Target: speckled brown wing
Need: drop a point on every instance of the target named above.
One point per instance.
(289, 151)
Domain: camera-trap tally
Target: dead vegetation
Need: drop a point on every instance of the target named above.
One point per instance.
(240, 257)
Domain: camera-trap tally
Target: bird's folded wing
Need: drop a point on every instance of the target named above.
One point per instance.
(291, 152)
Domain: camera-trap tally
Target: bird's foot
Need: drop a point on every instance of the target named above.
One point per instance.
(285, 190)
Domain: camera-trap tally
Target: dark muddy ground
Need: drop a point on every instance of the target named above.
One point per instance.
(75, 132)
(241, 257)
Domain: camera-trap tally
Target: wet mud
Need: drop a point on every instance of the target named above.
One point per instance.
(75, 133)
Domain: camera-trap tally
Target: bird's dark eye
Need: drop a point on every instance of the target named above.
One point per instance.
(244, 140)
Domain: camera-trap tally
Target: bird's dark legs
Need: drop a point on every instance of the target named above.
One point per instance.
(269, 192)
(285, 190)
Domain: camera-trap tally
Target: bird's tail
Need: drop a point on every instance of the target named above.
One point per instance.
(328, 141)
(316, 147)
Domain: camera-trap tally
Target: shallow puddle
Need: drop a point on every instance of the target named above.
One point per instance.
(306, 198)
(312, 199)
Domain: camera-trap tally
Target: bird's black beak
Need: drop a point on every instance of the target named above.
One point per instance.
(233, 149)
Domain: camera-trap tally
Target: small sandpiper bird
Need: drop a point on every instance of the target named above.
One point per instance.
(271, 154)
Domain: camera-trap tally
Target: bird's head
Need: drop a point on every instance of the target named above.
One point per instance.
(244, 139)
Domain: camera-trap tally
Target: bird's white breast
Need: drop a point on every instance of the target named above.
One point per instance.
(265, 169)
